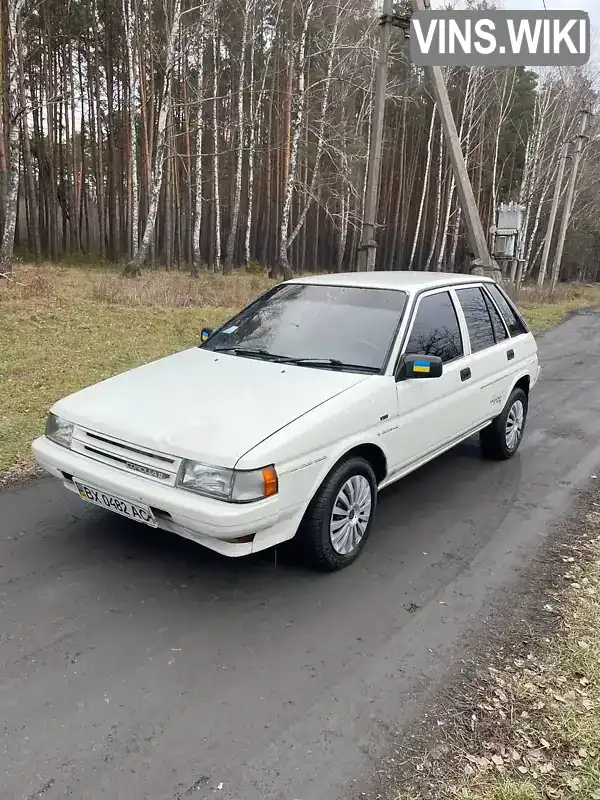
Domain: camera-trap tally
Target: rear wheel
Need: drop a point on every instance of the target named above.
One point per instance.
(501, 439)
(338, 521)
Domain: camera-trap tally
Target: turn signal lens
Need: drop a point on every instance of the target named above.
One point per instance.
(271, 481)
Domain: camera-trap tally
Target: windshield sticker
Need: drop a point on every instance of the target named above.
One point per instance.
(232, 329)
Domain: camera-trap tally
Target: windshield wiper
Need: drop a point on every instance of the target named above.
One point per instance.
(330, 363)
(326, 363)
(248, 351)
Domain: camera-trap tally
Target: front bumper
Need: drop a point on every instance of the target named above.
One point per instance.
(212, 523)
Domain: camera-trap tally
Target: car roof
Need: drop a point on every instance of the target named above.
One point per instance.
(411, 282)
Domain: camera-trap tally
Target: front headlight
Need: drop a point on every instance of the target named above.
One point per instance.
(233, 486)
(59, 430)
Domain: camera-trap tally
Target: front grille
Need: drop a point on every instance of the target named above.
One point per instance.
(131, 458)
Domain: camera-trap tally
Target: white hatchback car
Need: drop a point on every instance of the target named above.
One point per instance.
(288, 419)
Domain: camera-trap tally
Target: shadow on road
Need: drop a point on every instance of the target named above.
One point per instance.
(457, 486)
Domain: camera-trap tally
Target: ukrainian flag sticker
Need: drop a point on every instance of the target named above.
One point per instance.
(422, 366)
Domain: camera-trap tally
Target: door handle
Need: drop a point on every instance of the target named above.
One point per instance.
(510, 354)
(465, 374)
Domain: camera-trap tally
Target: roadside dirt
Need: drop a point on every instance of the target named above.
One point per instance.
(425, 758)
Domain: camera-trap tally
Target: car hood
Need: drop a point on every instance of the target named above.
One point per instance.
(203, 405)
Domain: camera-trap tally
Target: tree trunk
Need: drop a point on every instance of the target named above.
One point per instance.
(216, 195)
(233, 222)
(33, 226)
(15, 8)
(134, 266)
(425, 186)
(131, 36)
(196, 251)
(321, 133)
(283, 263)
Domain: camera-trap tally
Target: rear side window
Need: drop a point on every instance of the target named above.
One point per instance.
(436, 331)
(479, 323)
(514, 324)
(497, 324)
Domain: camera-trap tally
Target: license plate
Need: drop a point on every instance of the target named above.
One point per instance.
(100, 498)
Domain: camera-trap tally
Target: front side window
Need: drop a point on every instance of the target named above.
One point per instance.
(333, 327)
(436, 331)
(514, 324)
(477, 317)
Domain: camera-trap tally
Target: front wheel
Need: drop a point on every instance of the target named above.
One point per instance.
(338, 520)
(502, 437)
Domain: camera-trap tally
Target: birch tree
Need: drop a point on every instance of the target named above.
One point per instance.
(425, 187)
(215, 107)
(321, 130)
(233, 226)
(135, 265)
(15, 9)
(438, 201)
(299, 99)
(133, 72)
(506, 99)
(466, 101)
(196, 253)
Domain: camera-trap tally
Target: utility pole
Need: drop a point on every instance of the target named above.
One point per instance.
(584, 116)
(368, 245)
(368, 248)
(564, 154)
(478, 240)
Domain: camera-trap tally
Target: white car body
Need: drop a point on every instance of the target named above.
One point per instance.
(131, 432)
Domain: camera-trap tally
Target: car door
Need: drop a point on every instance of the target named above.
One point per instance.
(431, 412)
(489, 342)
(521, 351)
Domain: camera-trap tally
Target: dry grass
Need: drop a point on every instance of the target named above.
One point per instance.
(543, 308)
(529, 729)
(62, 328)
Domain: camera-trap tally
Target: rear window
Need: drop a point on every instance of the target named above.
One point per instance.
(479, 323)
(514, 322)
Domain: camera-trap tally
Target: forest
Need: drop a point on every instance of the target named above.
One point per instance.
(219, 135)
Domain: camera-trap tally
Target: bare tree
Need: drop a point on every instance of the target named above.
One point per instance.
(196, 252)
(299, 99)
(134, 266)
(233, 225)
(15, 8)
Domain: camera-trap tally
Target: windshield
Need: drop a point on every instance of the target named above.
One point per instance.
(330, 326)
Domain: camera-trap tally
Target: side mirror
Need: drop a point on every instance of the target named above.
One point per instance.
(206, 332)
(419, 367)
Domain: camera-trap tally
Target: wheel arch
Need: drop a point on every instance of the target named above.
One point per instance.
(372, 453)
(523, 383)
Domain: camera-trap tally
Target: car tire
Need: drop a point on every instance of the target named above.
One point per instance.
(338, 520)
(500, 440)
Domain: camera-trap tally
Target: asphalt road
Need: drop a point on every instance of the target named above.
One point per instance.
(134, 664)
